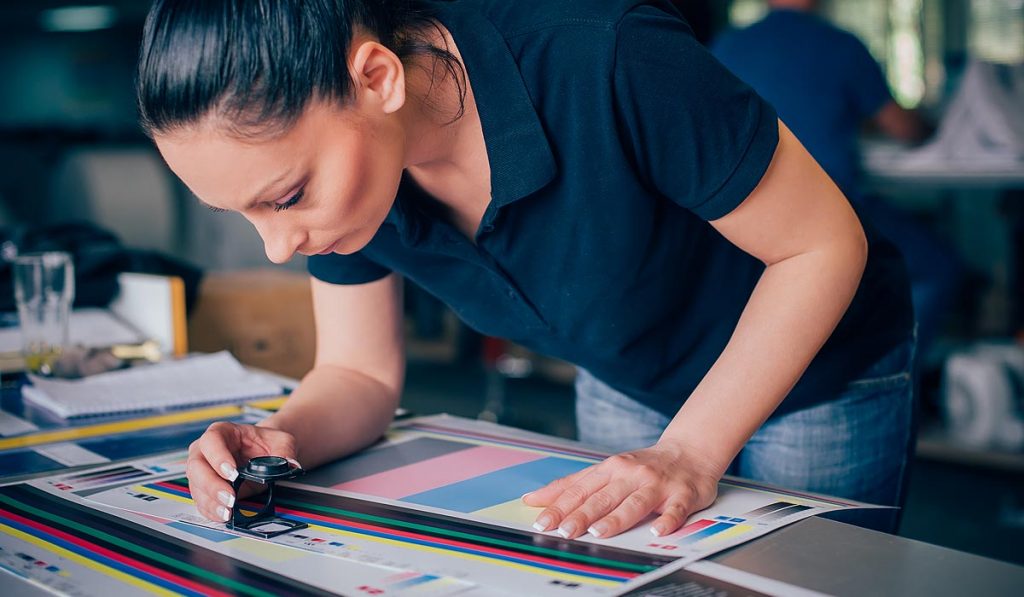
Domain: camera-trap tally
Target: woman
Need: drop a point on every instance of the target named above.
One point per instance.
(578, 176)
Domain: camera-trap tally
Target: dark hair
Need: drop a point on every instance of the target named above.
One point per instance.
(258, 63)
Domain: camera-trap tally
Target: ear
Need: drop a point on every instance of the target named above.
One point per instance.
(379, 76)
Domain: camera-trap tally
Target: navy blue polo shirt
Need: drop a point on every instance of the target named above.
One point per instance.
(821, 79)
(613, 137)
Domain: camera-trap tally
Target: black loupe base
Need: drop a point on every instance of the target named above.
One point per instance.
(265, 470)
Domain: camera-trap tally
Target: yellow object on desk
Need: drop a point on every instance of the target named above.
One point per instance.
(140, 424)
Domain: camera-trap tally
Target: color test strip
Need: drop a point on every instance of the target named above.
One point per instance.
(438, 472)
(768, 509)
(691, 528)
(369, 530)
(139, 549)
(445, 533)
(86, 560)
(730, 533)
(498, 487)
(712, 529)
(381, 459)
(784, 512)
(102, 557)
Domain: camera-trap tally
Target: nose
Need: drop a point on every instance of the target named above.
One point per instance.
(280, 244)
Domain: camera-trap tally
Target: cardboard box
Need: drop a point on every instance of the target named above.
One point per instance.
(264, 317)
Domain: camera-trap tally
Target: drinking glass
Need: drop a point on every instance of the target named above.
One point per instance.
(44, 288)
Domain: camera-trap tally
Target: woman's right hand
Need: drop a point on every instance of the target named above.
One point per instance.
(213, 462)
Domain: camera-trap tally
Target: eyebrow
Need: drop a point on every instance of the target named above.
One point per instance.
(256, 198)
(259, 196)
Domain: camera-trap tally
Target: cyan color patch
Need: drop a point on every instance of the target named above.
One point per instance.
(205, 533)
(497, 487)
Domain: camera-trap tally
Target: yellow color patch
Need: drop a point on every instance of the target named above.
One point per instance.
(514, 511)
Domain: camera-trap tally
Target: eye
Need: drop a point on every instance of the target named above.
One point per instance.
(290, 201)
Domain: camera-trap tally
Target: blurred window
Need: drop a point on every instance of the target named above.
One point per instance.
(894, 31)
(996, 31)
(746, 12)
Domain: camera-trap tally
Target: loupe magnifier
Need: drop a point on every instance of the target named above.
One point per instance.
(265, 470)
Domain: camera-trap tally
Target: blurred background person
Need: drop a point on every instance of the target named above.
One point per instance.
(826, 87)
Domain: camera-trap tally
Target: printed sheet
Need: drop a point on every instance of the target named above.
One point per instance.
(434, 509)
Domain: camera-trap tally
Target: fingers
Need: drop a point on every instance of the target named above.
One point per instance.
(548, 493)
(210, 468)
(211, 494)
(628, 511)
(680, 505)
(673, 515)
(218, 445)
(572, 496)
(599, 504)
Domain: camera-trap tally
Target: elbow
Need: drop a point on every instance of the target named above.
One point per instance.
(855, 252)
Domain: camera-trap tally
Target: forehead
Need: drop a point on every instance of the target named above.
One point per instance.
(224, 169)
(221, 169)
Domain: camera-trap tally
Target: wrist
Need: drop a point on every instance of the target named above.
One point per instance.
(703, 453)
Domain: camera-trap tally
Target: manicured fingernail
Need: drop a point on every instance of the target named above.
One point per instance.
(223, 513)
(526, 495)
(598, 529)
(567, 529)
(294, 462)
(656, 531)
(228, 471)
(226, 498)
(542, 523)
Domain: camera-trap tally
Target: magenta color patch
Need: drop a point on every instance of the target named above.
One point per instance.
(438, 472)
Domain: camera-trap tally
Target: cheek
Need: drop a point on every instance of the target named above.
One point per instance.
(375, 173)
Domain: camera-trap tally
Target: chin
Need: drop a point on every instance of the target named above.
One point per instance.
(353, 242)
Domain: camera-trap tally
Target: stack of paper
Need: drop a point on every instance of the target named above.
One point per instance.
(193, 381)
(982, 129)
(86, 327)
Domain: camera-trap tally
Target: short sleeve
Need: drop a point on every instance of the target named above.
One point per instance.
(866, 81)
(345, 269)
(698, 134)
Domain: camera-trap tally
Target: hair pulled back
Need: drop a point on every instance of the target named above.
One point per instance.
(258, 63)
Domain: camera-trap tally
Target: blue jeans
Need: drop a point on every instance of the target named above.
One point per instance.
(856, 446)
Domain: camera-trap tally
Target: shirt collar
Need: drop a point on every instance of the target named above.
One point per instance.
(518, 151)
(520, 157)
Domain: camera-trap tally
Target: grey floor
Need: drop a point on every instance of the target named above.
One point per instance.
(971, 509)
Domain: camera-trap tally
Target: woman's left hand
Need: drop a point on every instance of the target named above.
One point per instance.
(613, 496)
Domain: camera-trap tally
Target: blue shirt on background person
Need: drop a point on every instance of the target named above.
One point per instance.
(822, 81)
(825, 85)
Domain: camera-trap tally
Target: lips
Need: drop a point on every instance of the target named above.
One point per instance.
(329, 249)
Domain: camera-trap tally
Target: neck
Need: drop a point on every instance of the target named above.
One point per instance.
(446, 153)
(437, 135)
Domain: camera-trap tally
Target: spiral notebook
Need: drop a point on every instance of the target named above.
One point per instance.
(189, 382)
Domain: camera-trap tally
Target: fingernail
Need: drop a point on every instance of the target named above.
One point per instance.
(526, 495)
(567, 529)
(228, 471)
(542, 523)
(223, 513)
(598, 529)
(226, 498)
(656, 531)
(294, 462)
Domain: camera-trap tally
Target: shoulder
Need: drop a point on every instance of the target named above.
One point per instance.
(514, 18)
(839, 37)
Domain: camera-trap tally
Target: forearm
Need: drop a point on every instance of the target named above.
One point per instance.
(334, 412)
(791, 313)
